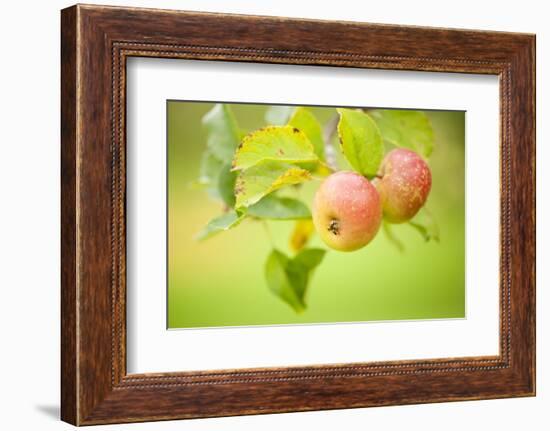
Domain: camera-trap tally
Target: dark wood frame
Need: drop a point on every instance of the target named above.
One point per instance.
(95, 43)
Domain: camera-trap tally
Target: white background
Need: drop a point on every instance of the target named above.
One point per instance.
(29, 216)
(151, 348)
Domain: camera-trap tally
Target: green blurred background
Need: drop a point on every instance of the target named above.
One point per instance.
(220, 281)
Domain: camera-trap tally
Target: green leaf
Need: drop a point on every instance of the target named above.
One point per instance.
(209, 170)
(388, 230)
(318, 168)
(209, 173)
(360, 140)
(277, 115)
(409, 129)
(301, 234)
(280, 143)
(223, 137)
(223, 133)
(279, 281)
(279, 208)
(310, 258)
(226, 185)
(219, 224)
(288, 278)
(424, 222)
(264, 178)
(305, 121)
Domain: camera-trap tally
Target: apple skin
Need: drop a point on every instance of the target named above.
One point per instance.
(347, 211)
(404, 183)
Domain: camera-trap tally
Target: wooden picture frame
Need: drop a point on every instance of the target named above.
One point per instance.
(95, 43)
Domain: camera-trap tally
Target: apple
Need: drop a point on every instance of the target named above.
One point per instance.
(347, 211)
(404, 183)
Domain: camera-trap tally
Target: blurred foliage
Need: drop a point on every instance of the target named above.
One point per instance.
(256, 171)
(361, 141)
(408, 129)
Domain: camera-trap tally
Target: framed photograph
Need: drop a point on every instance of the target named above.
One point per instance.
(261, 217)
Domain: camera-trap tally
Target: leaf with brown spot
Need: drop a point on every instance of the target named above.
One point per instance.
(303, 120)
(274, 143)
(258, 181)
